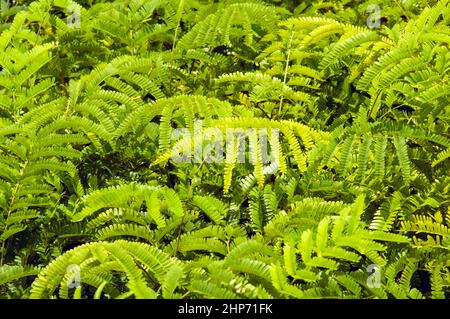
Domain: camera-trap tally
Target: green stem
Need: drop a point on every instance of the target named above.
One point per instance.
(286, 68)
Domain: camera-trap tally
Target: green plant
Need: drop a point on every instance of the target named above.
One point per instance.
(342, 168)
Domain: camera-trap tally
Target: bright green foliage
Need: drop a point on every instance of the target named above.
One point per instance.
(354, 201)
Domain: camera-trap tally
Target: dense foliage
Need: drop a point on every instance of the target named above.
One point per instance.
(93, 203)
